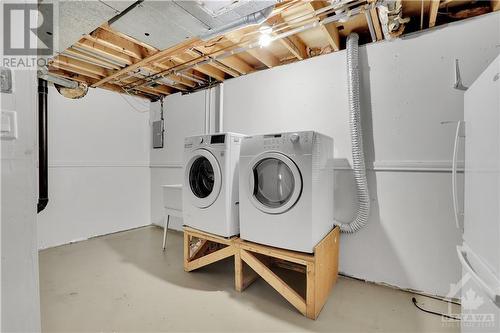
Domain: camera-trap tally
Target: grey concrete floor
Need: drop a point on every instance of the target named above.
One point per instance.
(124, 282)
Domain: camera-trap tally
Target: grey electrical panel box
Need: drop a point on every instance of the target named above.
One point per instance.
(158, 134)
(5, 80)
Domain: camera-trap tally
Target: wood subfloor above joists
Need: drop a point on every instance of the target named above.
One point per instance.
(295, 30)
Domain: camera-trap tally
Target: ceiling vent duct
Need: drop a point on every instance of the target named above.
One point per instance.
(252, 19)
(45, 75)
(163, 24)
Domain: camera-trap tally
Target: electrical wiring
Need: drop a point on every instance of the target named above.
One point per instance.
(414, 301)
(131, 105)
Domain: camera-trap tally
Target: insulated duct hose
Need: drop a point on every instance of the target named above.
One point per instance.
(358, 157)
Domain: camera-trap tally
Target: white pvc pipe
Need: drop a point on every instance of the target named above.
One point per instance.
(221, 107)
(207, 110)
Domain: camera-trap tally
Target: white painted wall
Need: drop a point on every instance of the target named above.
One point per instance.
(99, 179)
(19, 287)
(20, 303)
(406, 93)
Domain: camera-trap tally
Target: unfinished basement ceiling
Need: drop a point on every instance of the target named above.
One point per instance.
(77, 18)
(163, 24)
(153, 48)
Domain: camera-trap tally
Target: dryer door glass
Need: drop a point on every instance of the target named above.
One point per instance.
(274, 182)
(201, 177)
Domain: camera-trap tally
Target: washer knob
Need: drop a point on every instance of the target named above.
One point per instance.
(294, 138)
(200, 140)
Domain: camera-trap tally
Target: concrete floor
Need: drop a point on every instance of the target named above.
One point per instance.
(124, 282)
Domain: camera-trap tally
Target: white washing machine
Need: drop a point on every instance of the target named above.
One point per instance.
(210, 194)
(286, 189)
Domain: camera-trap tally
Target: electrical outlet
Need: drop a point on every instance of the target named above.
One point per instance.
(5, 80)
(8, 124)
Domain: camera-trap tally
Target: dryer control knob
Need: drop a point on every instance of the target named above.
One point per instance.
(294, 138)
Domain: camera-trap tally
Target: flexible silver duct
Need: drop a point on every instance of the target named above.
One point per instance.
(358, 157)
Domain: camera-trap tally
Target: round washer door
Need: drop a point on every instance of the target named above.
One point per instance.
(275, 183)
(204, 177)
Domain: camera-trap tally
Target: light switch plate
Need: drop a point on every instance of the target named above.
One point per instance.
(5, 80)
(8, 124)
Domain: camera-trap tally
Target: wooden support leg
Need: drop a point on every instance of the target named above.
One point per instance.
(187, 239)
(274, 280)
(209, 258)
(238, 272)
(310, 291)
(209, 249)
(200, 250)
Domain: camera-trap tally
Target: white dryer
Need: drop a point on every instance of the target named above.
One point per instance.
(286, 189)
(210, 195)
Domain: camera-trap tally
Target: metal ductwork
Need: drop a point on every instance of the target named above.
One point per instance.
(252, 19)
(164, 24)
(45, 75)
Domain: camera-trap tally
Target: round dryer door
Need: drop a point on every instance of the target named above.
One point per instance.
(275, 183)
(204, 178)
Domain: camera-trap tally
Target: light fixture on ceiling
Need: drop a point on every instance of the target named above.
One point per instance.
(265, 35)
(265, 29)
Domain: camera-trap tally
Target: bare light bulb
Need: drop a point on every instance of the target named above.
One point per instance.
(265, 40)
(265, 29)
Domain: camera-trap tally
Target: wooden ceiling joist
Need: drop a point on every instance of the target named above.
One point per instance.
(112, 60)
(209, 70)
(292, 43)
(215, 64)
(158, 90)
(495, 5)
(376, 22)
(433, 12)
(264, 56)
(237, 64)
(226, 69)
(69, 75)
(89, 59)
(105, 52)
(111, 41)
(155, 57)
(234, 62)
(296, 46)
(82, 65)
(179, 80)
(67, 68)
(329, 30)
(150, 48)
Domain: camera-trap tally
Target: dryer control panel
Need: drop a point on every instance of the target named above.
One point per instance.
(291, 140)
